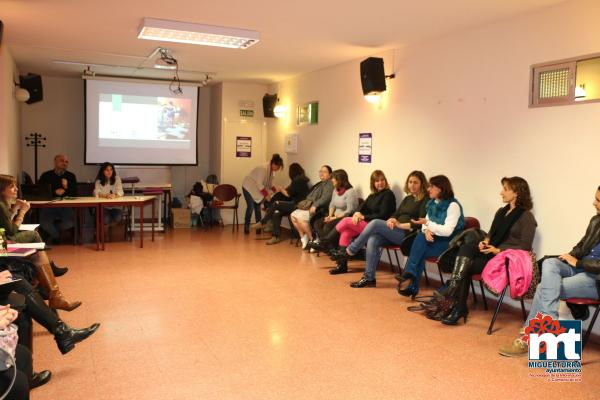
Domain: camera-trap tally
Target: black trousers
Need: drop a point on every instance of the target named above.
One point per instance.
(277, 210)
(20, 389)
(478, 263)
(327, 231)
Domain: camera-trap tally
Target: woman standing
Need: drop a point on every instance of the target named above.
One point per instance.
(289, 197)
(513, 227)
(443, 221)
(108, 186)
(379, 233)
(12, 213)
(256, 187)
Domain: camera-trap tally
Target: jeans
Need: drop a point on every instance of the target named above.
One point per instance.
(420, 250)
(250, 205)
(376, 235)
(560, 281)
(348, 230)
(55, 220)
(113, 214)
(276, 211)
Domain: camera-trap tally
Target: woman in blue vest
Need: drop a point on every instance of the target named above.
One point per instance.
(443, 221)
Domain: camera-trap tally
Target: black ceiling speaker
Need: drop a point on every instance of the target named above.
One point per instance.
(269, 102)
(372, 75)
(33, 84)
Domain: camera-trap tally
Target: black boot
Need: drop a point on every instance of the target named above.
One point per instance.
(461, 265)
(460, 310)
(39, 378)
(457, 313)
(64, 336)
(67, 337)
(340, 268)
(58, 271)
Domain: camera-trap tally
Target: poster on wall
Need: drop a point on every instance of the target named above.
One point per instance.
(243, 146)
(291, 143)
(365, 147)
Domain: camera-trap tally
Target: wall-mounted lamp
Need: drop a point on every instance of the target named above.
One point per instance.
(21, 94)
(372, 78)
(580, 92)
(280, 111)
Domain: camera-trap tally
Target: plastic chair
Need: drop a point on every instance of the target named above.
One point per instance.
(587, 302)
(227, 193)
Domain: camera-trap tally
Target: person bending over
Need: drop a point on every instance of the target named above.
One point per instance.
(257, 187)
(443, 221)
(392, 232)
(379, 205)
(573, 274)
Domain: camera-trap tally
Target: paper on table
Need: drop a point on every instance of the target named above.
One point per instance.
(28, 227)
(37, 246)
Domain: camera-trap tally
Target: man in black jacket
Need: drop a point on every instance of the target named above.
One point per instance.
(63, 184)
(573, 274)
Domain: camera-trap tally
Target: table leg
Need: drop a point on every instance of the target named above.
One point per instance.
(102, 225)
(142, 225)
(153, 205)
(97, 228)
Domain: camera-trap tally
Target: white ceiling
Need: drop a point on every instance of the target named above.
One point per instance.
(296, 37)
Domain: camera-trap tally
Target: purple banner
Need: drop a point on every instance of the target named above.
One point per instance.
(365, 147)
(243, 146)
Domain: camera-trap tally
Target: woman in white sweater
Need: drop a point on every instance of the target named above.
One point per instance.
(109, 186)
(257, 187)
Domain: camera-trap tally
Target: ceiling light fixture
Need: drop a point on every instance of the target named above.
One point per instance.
(206, 35)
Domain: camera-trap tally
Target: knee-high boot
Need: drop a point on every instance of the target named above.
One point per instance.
(48, 282)
(460, 309)
(461, 265)
(65, 336)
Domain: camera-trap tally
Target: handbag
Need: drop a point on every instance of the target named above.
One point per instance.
(8, 342)
(305, 204)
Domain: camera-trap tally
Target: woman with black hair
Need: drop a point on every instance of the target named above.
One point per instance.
(513, 227)
(443, 221)
(108, 186)
(257, 187)
(285, 201)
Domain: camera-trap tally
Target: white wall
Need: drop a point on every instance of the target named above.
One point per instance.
(60, 117)
(10, 143)
(459, 106)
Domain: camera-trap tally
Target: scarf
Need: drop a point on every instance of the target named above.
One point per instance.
(503, 223)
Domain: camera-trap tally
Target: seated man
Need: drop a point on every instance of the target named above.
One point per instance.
(63, 184)
(574, 274)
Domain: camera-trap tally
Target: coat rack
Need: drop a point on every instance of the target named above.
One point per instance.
(35, 140)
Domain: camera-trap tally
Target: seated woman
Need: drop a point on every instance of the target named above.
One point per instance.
(12, 212)
(315, 203)
(443, 221)
(108, 186)
(286, 203)
(378, 206)
(513, 227)
(343, 203)
(379, 233)
(257, 187)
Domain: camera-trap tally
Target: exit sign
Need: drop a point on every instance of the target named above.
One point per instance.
(247, 113)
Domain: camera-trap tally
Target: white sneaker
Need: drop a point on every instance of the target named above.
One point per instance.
(312, 251)
(304, 241)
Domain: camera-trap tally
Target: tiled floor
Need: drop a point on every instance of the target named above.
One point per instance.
(216, 315)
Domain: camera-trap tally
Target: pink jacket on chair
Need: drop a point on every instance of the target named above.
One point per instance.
(520, 270)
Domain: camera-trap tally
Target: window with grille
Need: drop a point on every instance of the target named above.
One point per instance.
(566, 82)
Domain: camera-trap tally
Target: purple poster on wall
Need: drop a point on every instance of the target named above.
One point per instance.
(243, 146)
(365, 147)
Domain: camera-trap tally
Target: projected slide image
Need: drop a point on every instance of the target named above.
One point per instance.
(144, 118)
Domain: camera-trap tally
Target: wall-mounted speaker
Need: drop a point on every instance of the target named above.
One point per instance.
(33, 84)
(372, 75)
(269, 102)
